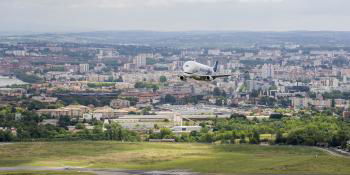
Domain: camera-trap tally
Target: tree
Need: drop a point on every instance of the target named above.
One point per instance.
(139, 85)
(169, 99)
(112, 131)
(120, 79)
(238, 116)
(6, 136)
(207, 137)
(218, 102)
(277, 116)
(254, 93)
(35, 105)
(295, 137)
(284, 102)
(279, 138)
(79, 126)
(29, 78)
(146, 111)
(133, 100)
(165, 132)
(246, 75)
(268, 101)
(242, 139)
(64, 121)
(333, 103)
(155, 126)
(162, 79)
(185, 137)
(341, 138)
(97, 132)
(216, 91)
(224, 94)
(254, 138)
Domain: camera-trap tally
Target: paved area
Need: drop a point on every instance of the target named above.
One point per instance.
(5, 143)
(335, 152)
(99, 171)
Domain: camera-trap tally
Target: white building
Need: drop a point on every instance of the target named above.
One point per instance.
(99, 67)
(129, 66)
(214, 52)
(267, 71)
(146, 122)
(140, 60)
(17, 52)
(98, 78)
(119, 103)
(177, 65)
(83, 68)
(185, 129)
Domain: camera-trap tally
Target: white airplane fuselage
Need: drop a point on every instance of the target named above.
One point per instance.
(192, 67)
(198, 71)
(201, 72)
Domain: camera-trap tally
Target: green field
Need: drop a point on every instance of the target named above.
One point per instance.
(205, 158)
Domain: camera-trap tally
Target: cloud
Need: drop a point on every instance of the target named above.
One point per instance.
(167, 3)
(119, 4)
(48, 15)
(261, 1)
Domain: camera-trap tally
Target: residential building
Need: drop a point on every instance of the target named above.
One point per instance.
(267, 71)
(71, 111)
(83, 68)
(119, 103)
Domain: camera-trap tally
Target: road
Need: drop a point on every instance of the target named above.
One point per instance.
(334, 152)
(1, 143)
(99, 171)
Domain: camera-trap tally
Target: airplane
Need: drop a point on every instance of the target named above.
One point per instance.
(200, 72)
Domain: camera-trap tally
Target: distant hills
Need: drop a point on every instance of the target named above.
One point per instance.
(193, 39)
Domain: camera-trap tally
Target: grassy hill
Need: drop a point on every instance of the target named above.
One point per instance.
(205, 158)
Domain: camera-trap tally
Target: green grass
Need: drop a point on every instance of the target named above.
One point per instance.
(229, 159)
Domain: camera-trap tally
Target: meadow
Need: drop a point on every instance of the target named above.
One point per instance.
(204, 158)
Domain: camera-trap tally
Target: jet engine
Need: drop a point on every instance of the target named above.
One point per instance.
(209, 78)
(182, 78)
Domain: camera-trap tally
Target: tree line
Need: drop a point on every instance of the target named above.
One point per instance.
(28, 128)
(304, 128)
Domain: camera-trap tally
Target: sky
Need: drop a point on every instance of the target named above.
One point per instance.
(173, 15)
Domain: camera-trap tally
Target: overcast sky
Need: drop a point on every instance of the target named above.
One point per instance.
(173, 15)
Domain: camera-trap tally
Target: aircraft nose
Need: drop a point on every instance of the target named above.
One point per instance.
(187, 69)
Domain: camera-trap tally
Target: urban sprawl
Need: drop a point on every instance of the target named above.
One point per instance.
(133, 92)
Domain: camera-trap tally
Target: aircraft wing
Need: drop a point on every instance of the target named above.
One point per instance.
(219, 76)
(206, 77)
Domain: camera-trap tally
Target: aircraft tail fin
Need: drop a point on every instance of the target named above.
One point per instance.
(215, 67)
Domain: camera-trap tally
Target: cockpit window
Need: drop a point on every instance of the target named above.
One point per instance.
(187, 65)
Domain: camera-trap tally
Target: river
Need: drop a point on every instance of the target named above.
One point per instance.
(5, 81)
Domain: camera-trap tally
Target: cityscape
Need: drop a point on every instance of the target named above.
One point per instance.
(243, 87)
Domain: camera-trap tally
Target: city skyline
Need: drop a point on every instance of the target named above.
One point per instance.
(174, 15)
